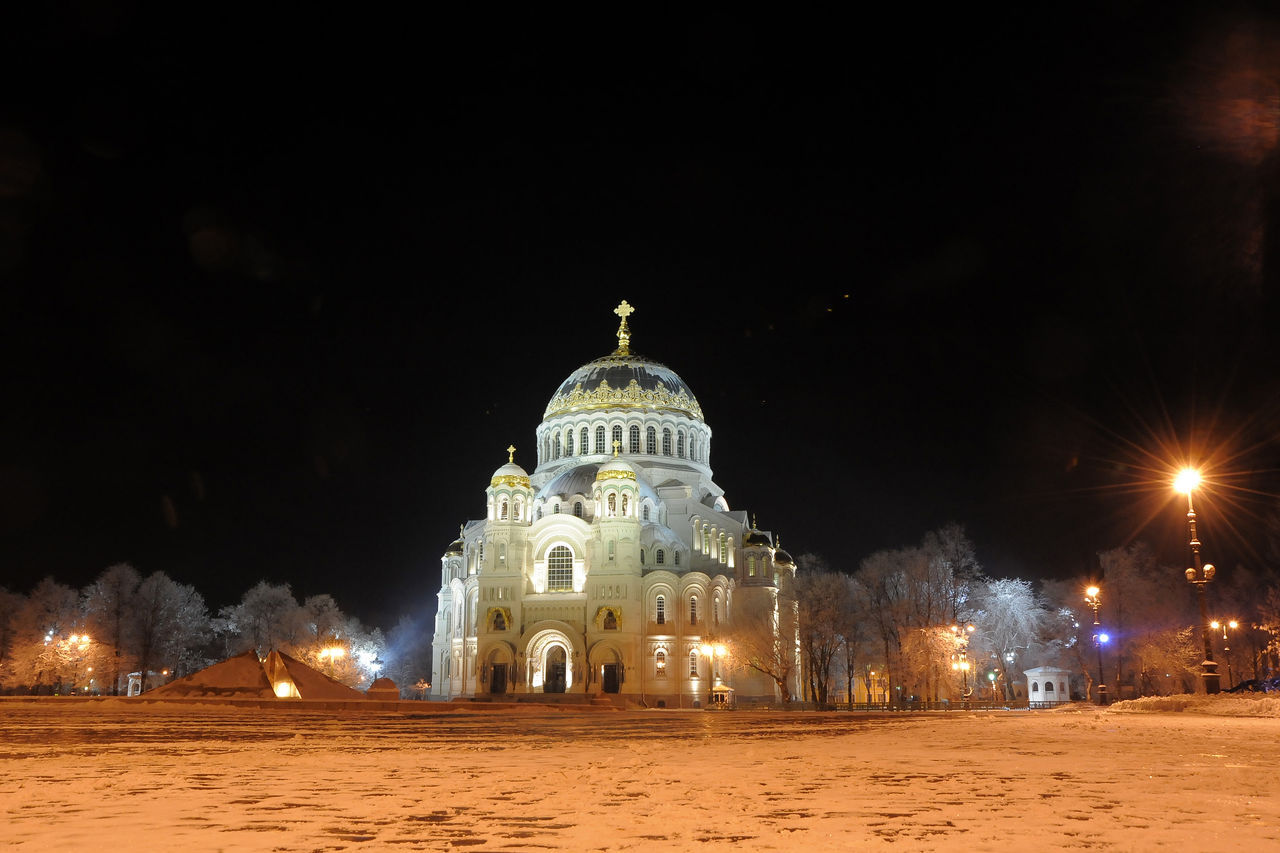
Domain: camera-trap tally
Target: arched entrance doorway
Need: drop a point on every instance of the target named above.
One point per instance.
(551, 666)
(606, 664)
(557, 666)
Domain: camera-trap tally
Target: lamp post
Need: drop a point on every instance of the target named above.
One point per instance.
(960, 660)
(1226, 644)
(712, 652)
(1093, 598)
(1199, 575)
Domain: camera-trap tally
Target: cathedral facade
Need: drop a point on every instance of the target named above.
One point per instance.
(617, 566)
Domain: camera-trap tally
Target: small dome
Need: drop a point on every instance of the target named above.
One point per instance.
(616, 469)
(510, 474)
(454, 549)
(756, 537)
(782, 558)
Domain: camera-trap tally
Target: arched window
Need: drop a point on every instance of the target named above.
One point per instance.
(503, 515)
(1048, 687)
(539, 513)
(560, 569)
(555, 508)
(651, 441)
(600, 440)
(556, 448)
(660, 557)
(751, 565)
(660, 610)
(1035, 687)
(634, 446)
(645, 512)
(568, 443)
(715, 612)
(582, 442)
(617, 437)
(693, 610)
(642, 556)
(680, 445)
(724, 552)
(613, 504)
(666, 442)
(675, 557)
(624, 506)
(660, 663)
(706, 541)
(693, 663)
(577, 508)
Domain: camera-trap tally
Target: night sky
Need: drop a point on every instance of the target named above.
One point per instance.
(278, 292)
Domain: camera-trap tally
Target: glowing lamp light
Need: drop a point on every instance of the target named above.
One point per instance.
(1104, 638)
(1187, 480)
(283, 689)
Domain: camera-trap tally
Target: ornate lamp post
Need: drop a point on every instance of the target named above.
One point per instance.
(960, 660)
(1199, 575)
(712, 652)
(1092, 597)
(1226, 643)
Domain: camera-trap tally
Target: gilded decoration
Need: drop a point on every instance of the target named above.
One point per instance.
(498, 619)
(609, 619)
(509, 480)
(605, 396)
(614, 474)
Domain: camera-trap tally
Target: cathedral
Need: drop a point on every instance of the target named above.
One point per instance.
(616, 569)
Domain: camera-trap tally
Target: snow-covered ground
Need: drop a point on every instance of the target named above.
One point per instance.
(1185, 774)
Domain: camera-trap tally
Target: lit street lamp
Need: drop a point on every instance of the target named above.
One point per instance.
(1199, 575)
(331, 655)
(960, 660)
(712, 652)
(1226, 643)
(1092, 597)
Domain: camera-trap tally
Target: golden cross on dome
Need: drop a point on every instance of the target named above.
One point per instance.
(624, 334)
(511, 453)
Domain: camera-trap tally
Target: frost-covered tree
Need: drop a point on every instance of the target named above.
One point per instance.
(759, 645)
(1010, 619)
(109, 604)
(267, 617)
(43, 652)
(825, 599)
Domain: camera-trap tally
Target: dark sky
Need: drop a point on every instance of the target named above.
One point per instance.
(278, 292)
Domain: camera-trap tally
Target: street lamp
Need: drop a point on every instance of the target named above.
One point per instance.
(1093, 598)
(1226, 644)
(960, 660)
(1199, 575)
(712, 652)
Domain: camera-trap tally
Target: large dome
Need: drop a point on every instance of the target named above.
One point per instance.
(623, 380)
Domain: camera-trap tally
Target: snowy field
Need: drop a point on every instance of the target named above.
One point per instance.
(1191, 775)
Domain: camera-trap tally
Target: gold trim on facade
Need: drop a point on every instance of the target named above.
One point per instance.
(615, 474)
(509, 480)
(605, 396)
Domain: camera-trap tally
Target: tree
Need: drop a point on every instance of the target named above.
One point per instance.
(43, 654)
(109, 609)
(825, 599)
(267, 617)
(1010, 619)
(759, 645)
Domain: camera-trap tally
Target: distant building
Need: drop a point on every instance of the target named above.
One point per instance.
(608, 569)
